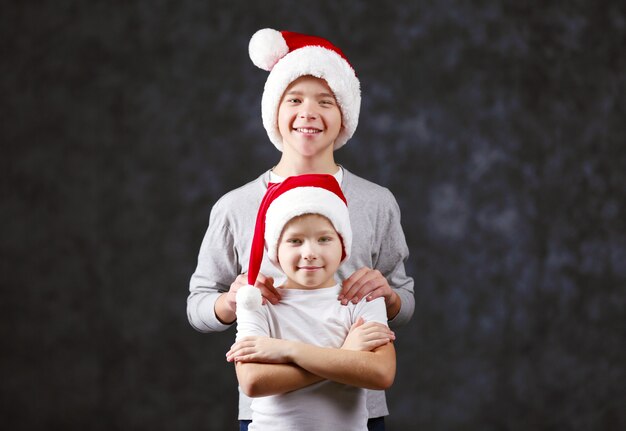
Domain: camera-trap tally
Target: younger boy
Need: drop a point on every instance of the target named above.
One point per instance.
(305, 227)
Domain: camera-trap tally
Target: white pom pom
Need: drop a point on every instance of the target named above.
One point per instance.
(248, 298)
(266, 47)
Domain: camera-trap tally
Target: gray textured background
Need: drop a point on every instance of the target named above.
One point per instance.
(499, 126)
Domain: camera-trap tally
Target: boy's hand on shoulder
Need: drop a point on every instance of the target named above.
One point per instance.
(367, 336)
(371, 284)
(265, 284)
(269, 292)
(365, 282)
(231, 295)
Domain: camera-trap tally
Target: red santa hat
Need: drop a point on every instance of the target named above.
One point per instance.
(288, 56)
(295, 196)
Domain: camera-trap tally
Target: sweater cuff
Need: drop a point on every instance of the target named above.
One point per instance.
(407, 306)
(206, 312)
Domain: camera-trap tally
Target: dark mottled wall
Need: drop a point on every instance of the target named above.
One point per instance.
(499, 126)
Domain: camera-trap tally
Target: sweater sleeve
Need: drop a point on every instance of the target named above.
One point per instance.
(217, 268)
(391, 257)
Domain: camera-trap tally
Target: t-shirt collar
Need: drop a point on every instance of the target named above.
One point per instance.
(273, 178)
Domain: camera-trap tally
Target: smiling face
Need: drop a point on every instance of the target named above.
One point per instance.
(309, 119)
(309, 252)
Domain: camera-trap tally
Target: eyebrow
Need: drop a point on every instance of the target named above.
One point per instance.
(300, 93)
(319, 232)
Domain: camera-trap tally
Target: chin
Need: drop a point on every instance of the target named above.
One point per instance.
(309, 149)
(308, 285)
(317, 285)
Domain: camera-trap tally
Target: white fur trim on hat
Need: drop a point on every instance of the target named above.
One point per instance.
(306, 200)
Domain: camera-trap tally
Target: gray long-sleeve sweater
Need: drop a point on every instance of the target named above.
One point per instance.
(378, 243)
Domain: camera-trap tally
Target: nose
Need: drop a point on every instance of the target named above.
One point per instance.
(308, 253)
(307, 111)
(308, 115)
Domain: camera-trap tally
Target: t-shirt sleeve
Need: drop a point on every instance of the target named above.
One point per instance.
(372, 311)
(252, 323)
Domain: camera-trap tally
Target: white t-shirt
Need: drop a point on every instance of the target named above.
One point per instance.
(314, 317)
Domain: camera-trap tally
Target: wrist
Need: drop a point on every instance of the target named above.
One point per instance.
(393, 304)
(225, 310)
(391, 299)
(291, 352)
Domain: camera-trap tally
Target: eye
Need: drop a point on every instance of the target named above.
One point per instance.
(327, 102)
(325, 239)
(293, 100)
(294, 241)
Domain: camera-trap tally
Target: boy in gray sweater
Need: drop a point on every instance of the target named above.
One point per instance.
(310, 107)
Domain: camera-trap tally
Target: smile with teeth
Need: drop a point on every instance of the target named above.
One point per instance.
(307, 130)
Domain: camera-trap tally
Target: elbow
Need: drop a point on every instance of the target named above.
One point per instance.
(194, 319)
(250, 383)
(384, 378)
(197, 326)
(248, 388)
(385, 369)
(387, 380)
(252, 389)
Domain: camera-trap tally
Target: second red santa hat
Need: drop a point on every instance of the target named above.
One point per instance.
(295, 196)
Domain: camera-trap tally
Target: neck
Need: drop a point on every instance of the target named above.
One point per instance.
(290, 284)
(286, 167)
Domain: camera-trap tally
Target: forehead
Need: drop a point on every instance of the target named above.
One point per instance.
(316, 221)
(309, 83)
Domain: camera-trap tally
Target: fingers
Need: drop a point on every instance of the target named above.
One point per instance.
(384, 336)
(358, 323)
(246, 347)
(263, 283)
(376, 293)
(374, 330)
(239, 355)
(368, 336)
(364, 282)
(349, 282)
(376, 343)
(258, 349)
(230, 299)
(242, 279)
(269, 292)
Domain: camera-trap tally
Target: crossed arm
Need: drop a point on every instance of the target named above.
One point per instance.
(269, 366)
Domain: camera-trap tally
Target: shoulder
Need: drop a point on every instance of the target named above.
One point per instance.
(241, 199)
(251, 189)
(360, 191)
